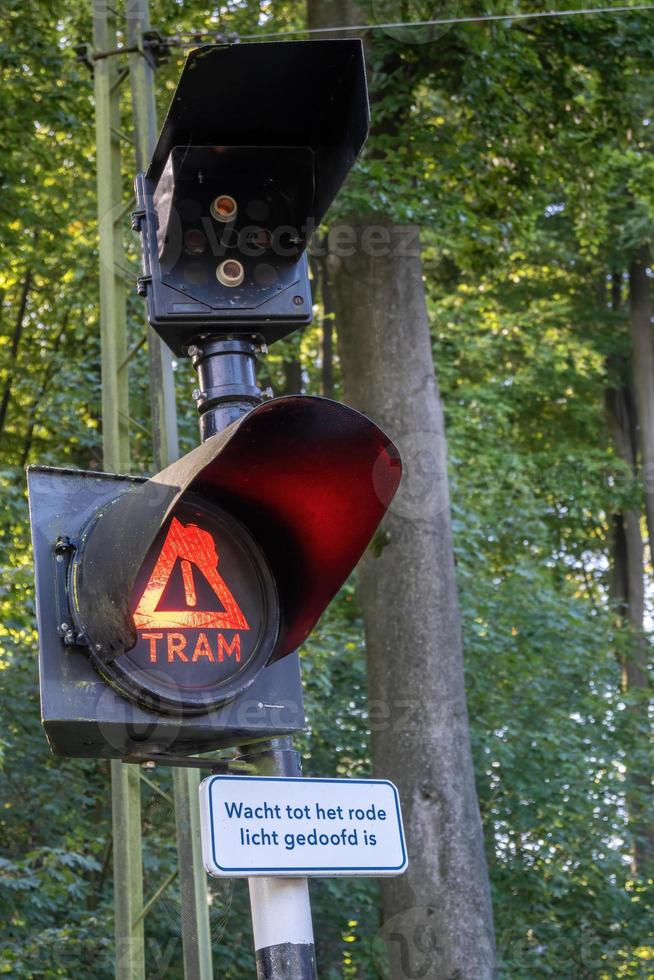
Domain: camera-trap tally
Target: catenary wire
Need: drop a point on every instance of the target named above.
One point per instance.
(227, 38)
(436, 22)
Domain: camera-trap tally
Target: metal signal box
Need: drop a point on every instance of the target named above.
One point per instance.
(257, 141)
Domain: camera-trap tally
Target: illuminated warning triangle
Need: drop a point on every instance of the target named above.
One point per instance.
(194, 547)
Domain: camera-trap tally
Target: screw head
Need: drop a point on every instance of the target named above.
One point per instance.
(298, 300)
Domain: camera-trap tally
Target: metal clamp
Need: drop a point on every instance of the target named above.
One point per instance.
(217, 766)
(142, 285)
(137, 218)
(64, 549)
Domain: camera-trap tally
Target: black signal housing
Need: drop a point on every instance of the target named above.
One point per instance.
(272, 514)
(275, 127)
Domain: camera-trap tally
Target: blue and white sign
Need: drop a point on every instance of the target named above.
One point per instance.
(260, 825)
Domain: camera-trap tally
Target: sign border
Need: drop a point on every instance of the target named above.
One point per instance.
(206, 787)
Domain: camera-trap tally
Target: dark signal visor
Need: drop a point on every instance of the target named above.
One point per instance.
(308, 478)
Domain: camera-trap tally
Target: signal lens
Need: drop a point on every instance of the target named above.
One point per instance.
(223, 208)
(194, 242)
(196, 273)
(265, 274)
(259, 238)
(230, 273)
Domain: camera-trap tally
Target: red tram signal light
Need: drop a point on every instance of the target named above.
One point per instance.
(181, 591)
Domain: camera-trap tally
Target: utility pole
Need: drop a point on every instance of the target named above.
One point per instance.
(125, 779)
(196, 935)
(162, 382)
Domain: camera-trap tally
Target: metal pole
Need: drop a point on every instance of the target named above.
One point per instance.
(196, 934)
(227, 386)
(115, 432)
(128, 871)
(281, 910)
(162, 379)
(125, 782)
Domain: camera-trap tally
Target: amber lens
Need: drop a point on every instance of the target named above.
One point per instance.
(224, 207)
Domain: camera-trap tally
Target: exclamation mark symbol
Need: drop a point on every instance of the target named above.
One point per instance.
(189, 585)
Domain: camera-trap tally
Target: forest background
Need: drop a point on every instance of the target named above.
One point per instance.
(522, 150)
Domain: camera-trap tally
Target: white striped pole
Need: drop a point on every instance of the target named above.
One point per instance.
(283, 932)
(281, 911)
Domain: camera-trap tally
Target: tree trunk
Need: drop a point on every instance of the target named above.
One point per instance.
(640, 319)
(15, 344)
(327, 367)
(292, 375)
(46, 380)
(321, 288)
(628, 597)
(438, 919)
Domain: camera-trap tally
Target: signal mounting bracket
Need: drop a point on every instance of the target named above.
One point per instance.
(226, 767)
(64, 550)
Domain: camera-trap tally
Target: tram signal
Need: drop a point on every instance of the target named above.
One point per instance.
(170, 609)
(257, 141)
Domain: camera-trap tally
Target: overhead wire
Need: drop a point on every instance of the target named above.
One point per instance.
(196, 36)
(220, 37)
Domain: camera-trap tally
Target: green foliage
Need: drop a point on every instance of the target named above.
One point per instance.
(524, 151)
